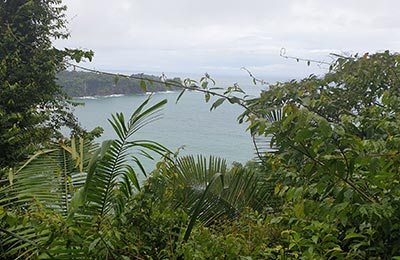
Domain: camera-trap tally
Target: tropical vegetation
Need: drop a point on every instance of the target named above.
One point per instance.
(32, 105)
(327, 187)
(336, 162)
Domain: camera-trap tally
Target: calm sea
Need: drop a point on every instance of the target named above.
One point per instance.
(188, 123)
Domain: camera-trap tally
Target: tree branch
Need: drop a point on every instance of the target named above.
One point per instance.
(163, 80)
(309, 61)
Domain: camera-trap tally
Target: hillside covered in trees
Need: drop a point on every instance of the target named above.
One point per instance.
(79, 84)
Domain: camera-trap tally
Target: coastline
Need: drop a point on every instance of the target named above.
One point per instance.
(123, 95)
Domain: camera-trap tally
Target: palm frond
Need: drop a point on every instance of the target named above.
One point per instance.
(264, 143)
(51, 178)
(74, 184)
(41, 188)
(196, 190)
(199, 206)
(110, 176)
(24, 242)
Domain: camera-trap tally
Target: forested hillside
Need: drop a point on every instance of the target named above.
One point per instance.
(79, 84)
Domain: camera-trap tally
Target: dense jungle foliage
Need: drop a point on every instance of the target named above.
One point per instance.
(330, 189)
(32, 105)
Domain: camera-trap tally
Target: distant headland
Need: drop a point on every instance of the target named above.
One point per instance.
(81, 84)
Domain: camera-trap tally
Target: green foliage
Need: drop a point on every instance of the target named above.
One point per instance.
(37, 199)
(207, 191)
(32, 105)
(70, 202)
(337, 155)
(246, 237)
(149, 229)
(330, 189)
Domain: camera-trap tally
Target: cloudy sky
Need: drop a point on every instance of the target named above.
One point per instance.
(182, 37)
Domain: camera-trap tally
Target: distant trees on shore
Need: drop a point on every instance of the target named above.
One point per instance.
(79, 84)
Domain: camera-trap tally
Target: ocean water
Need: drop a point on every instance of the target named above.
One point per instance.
(189, 124)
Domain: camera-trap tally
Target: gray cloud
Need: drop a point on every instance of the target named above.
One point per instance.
(224, 35)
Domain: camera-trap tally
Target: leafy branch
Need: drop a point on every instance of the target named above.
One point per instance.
(309, 61)
(188, 84)
(307, 153)
(255, 80)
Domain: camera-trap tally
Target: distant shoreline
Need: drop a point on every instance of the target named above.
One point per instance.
(123, 95)
(88, 84)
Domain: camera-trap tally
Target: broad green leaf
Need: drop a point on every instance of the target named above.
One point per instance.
(207, 97)
(217, 103)
(354, 235)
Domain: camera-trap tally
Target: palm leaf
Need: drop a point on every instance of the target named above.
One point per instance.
(44, 184)
(264, 143)
(195, 188)
(51, 178)
(84, 184)
(110, 177)
(199, 207)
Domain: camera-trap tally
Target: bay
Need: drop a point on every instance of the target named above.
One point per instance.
(189, 124)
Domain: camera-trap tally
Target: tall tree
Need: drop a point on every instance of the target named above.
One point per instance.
(32, 105)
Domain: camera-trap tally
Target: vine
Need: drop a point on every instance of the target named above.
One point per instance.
(188, 84)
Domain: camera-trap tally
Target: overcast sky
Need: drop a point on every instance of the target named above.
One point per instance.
(221, 36)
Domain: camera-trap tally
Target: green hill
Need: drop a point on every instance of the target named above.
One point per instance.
(79, 84)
